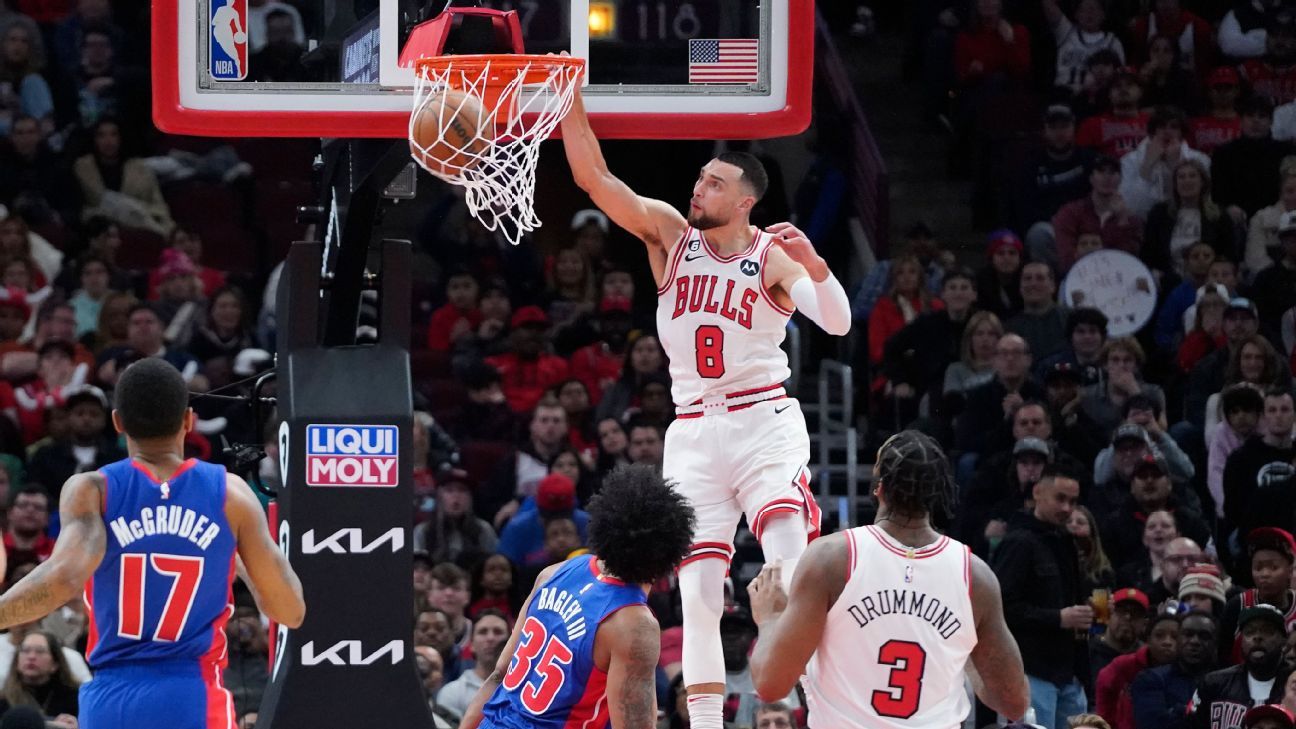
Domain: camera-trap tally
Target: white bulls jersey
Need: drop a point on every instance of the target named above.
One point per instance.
(896, 641)
(719, 326)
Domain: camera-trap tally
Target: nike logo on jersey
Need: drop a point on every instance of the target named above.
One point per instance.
(779, 410)
(694, 258)
(698, 293)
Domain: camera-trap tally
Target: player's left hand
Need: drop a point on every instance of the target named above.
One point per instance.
(766, 592)
(794, 243)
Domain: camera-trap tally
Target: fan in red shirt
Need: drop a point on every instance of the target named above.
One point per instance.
(1223, 124)
(528, 370)
(1196, 38)
(991, 45)
(459, 316)
(1120, 130)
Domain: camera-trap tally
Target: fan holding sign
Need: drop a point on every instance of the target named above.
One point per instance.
(1115, 283)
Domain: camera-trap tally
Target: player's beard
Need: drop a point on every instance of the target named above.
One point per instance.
(702, 221)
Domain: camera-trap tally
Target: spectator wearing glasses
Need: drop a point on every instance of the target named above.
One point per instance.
(990, 406)
(25, 540)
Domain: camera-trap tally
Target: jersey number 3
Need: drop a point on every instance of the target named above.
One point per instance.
(538, 693)
(908, 660)
(185, 573)
(708, 341)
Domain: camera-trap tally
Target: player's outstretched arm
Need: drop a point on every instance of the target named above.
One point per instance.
(798, 270)
(635, 643)
(473, 714)
(998, 676)
(271, 579)
(791, 626)
(77, 554)
(654, 222)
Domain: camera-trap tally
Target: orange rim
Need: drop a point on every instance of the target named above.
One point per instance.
(504, 67)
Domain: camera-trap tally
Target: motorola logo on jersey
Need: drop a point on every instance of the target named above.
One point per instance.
(364, 456)
(350, 540)
(703, 292)
(352, 653)
(749, 267)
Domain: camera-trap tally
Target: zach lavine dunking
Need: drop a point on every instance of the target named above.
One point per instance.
(739, 444)
(887, 615)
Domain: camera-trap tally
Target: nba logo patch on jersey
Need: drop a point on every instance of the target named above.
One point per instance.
(228, 47)
(355, 456)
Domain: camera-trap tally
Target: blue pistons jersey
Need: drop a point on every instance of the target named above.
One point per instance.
(552, 681)
(162, 591)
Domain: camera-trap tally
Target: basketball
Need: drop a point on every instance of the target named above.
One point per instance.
(443, 135)
(239, 36)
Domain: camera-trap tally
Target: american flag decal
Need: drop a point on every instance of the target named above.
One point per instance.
(723, 61)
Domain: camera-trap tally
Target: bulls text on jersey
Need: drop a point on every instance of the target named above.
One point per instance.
(699, 293)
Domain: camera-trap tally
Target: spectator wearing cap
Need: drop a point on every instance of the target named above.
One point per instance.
(999, 491)
(1223, 696)
(1117, 131)
(1055, 173)
(459, 316)
(737, 634)
(1077, 39)
(485, 414)
(454, 533)
(1241, 406)
(1122, 361)
(523, 540)
(1112, 689)
(598, 364)
(1126, 624)
(1263, 247)
(999, 283)
(1103, 212)
(915, 358)
(1086, 333)
(990, 407)
(1129, 443)
(1041, 322)
(919, 241)
(1201, 589)
(1148, 171)
(1275, 287)
(1263, 463)
(1221, 123)
(1270, 551)
(1247, 169)
(1145, 413)
(1189, 216)
(1161, 695)
(1269, 716)
(516, 478)
(527, 370)
(1195, 262)
(84, 447)
(589, 234)
(1044, 605)
(1194, 36)
(1150, 490)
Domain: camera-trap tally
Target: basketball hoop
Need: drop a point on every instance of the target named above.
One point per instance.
(472, 125)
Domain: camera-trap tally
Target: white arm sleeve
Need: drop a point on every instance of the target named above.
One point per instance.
(824, 302)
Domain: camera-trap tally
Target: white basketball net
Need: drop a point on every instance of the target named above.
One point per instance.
(498, 168)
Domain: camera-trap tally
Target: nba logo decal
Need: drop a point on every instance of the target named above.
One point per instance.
(228, 47)
(352, 456)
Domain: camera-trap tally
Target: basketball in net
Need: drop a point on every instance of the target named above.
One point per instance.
(478, 121)
(445, 132)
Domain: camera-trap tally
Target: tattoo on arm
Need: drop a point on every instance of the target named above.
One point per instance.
(28, 600)
(638, 699)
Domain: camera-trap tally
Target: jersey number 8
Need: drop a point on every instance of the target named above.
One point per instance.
(538, 693)
(708, 342)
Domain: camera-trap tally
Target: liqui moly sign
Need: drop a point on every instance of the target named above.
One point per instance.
(362, 456)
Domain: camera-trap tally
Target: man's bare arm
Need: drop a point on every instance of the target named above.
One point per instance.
(632, 670)
(77, 554)
(790, 636)
(999, 679)
(652, 221)
(274, 584)
(473, 714)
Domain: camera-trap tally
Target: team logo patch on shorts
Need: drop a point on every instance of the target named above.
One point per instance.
(749, 267)
(354, 456)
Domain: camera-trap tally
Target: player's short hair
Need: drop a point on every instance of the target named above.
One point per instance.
(753, 172)
(639, 525)
(151, 399)
(916, 475)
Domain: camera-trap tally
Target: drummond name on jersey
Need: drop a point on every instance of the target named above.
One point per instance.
(906, 602)
(176, 521)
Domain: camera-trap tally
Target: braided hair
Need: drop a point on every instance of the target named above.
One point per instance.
(916, 474)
